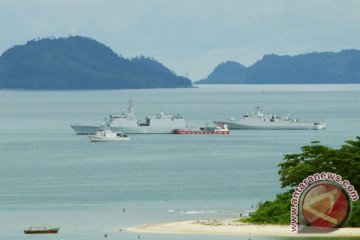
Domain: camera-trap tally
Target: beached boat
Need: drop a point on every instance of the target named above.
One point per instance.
(262, 121)
(126, 122)
(105, 135)
(221, 129)
(41, 230)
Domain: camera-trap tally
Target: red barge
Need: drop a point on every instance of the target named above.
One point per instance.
(221, 129)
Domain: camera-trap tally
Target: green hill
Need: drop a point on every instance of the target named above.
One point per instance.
(323, 67)
(80, 63)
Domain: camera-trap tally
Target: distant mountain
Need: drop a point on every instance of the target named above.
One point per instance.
(226, 72)
(325, 67)
(80, 63)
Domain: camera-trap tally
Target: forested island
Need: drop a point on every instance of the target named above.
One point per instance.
(318, 68)
(80, 63)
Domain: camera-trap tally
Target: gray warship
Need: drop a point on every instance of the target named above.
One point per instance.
(126, 122)
(262, 121)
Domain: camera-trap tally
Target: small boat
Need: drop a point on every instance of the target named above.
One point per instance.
(105, 135)
(41, 230)
(221, 129)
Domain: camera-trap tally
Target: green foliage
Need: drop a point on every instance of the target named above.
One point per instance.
(354, 220)
(80, 63)
(272, 212)
(314, 158)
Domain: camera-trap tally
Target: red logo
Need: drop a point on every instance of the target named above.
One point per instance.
(325, 205)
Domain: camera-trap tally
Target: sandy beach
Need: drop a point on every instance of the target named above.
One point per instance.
(233, 227)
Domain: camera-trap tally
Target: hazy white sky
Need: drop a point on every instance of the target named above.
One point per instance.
(190, 37)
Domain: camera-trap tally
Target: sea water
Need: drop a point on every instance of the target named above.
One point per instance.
(49, 176)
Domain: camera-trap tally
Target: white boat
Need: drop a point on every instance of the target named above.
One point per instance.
(105, 135)
(127, 123)
(262, 121)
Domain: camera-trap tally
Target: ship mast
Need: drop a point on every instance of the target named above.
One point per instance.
(130, 108)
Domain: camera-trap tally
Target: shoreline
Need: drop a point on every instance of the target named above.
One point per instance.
(234, 227)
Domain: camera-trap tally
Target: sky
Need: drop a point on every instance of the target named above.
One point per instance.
(190, 37)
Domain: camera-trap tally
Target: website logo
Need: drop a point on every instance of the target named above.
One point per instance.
(321, 202)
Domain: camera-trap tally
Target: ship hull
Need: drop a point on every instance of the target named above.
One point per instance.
(85, 130)
(200, 132)
(238, 125)
(91, 129)
(43, 231)
(93, 138)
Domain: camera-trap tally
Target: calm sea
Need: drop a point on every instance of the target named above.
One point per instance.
(50, 176)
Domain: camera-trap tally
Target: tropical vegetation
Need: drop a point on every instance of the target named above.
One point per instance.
(314, 158)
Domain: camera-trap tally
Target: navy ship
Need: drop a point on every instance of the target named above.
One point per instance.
(263, 121)
(126, 122)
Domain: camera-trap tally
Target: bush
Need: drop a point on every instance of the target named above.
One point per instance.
(314, 158)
